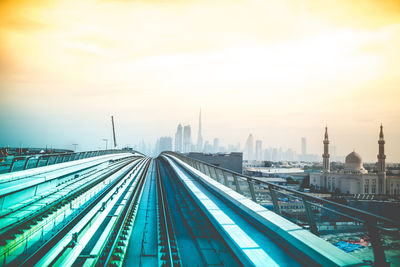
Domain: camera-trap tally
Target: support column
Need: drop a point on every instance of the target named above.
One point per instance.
(252, 191)
(235, 180)
(226, 182)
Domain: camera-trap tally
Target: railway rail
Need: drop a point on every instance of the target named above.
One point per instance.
(207, 247)
(37, 222)
(114, 251)
(87, 230)
(168, 250)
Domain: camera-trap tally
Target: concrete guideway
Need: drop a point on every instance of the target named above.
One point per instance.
(126, 210)
(307, 247)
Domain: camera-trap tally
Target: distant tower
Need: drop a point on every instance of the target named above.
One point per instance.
(199, 137)
(178, 139)
(303, 146)
(325, 156)
(258, 150)
(249, 148)
(216, 145)
(164, 144)
(381, 163)
(187, 139)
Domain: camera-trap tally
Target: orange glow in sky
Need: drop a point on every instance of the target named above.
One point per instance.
(277, 69)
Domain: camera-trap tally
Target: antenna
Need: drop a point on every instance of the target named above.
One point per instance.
(113, 128)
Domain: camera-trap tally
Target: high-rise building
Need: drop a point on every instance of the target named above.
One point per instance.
(237, 147)
(274, 155)
(179, 139)
(303, 146)
(199, 136)
(142, 147)
(249, 148)
(289, 155)
(216, 145)
(187, 141)
(267, 154)
(165, 144)
(208, 148)
(258, 150)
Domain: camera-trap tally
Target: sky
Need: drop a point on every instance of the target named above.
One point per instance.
(280, 70)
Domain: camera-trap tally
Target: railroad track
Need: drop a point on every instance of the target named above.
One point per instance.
(87, 231)
(114, 251)
(66, 181)
(209, 248)
(43, 228)
(168, 248)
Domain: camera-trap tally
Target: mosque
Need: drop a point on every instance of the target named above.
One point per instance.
(354, 179)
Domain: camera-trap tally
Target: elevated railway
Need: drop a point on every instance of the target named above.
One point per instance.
(126, 209)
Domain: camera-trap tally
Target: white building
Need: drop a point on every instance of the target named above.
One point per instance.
(249, 148)
(179, 139)
(199, 137)
(258, 150)
(354, 179)
(187, 139)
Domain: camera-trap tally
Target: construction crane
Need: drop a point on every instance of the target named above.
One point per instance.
(113, 128)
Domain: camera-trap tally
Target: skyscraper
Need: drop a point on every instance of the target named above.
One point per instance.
(178, 139)
(216, 145)
(187, 139)
(165, 144)
(249, 148)
(303, 146)
(258, 150)
(208, 148)
(274, 155)
(199, 137)
(267, 154)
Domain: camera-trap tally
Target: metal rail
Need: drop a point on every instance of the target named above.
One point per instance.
(118, 243)
(375, 224)
(61, 157)
(171, 256)
(63, 200)
(214, 253)
(44, 248)
(34, 258)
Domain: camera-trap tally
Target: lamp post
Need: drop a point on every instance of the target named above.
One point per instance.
(75, 145)
(106, 140)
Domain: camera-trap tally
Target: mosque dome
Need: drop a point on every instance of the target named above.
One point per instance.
(353, 162)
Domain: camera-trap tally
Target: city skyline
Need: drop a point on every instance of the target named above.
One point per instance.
(253, 149)
(278, 70)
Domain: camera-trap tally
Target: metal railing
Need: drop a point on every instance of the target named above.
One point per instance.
(310, 210)
(34, 161)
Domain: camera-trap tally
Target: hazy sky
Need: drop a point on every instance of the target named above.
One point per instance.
(279, 70)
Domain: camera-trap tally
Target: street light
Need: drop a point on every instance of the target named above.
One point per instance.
(106, 140)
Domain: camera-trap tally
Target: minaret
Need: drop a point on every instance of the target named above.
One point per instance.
(381, 163)
(199, 137)
(325, 156)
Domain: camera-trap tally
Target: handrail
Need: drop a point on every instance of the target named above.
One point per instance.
(370, 220)
(295, 192)
(63, 156)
